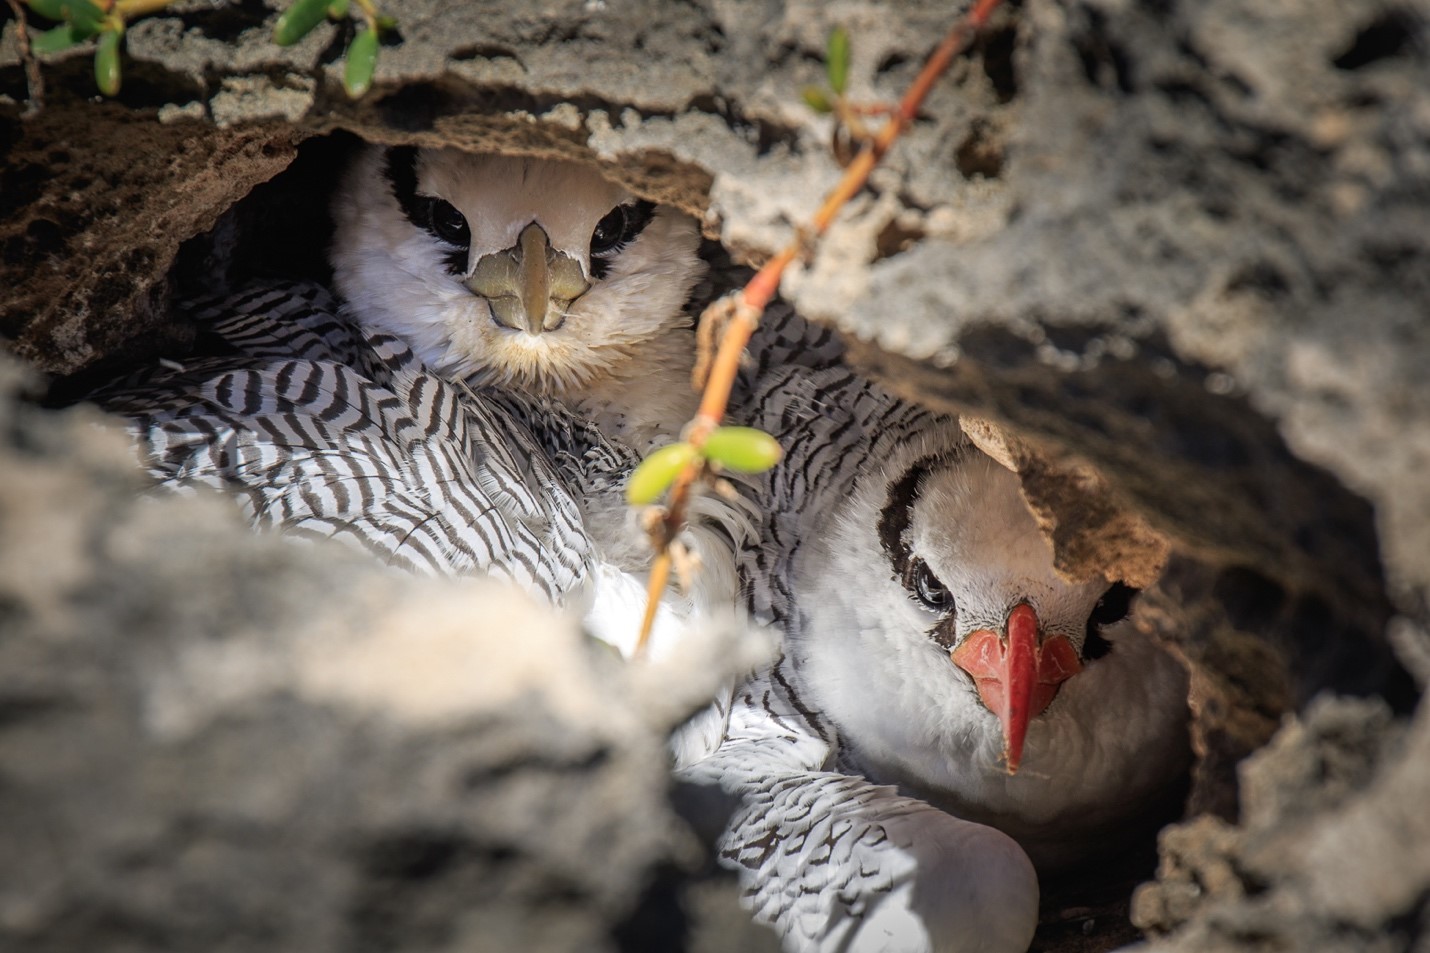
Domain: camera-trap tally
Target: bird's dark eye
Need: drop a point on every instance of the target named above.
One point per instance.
(1114, 605)
(609, 230)
(621, 225)
(924, 584)
(448, 224)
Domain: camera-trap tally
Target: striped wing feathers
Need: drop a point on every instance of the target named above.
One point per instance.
(351, 439)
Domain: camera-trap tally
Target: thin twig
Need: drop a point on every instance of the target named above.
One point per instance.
(34, 80)
(749, 305)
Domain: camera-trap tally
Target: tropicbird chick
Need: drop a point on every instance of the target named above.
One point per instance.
(536, 275)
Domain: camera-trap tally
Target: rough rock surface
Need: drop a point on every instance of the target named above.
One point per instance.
(1183, 243)
(1332, 853)
(219, 741)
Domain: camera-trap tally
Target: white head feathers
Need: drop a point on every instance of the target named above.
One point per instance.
(414, 226)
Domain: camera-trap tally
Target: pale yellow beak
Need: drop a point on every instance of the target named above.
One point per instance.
(530, 285)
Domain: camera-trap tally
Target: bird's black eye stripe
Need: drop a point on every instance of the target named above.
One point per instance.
(898, 510)
(433, 215)
(911, 571)
(1114, 605)
(1112, 608)
(1094, 646)
(442, 220)
(401, 172)
(618, 228)
(897, 513)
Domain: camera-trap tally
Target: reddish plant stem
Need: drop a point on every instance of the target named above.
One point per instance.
(761, 289)
(659, 575)
(34, 80)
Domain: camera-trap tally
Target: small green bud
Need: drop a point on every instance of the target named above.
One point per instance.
(836, 63)
(657, 472)
(337, 9)
(298, 21)
(742, 449)
(106, 62)
(362, 60)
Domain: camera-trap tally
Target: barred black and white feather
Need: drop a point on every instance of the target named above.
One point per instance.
(839, 864)
(831, 423)
(326, 430)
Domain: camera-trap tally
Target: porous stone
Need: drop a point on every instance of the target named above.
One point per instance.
(219, 740)
(1178, 245)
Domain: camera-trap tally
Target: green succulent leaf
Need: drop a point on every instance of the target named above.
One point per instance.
(362, 60)
(816, 99)
(49, 9)
(657, 472)
(298, 21)
(54, 40)
(337, 9)
(742, 449)
(836, 63)
(86, 17)
(106, 62)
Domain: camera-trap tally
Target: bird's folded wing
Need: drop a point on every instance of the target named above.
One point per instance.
(835, 862)
(299, 319)
(411, 467)
(786, 339)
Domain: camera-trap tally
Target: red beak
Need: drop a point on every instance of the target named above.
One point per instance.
(1017, 676)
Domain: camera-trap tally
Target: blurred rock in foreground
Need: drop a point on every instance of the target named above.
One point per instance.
(212, 740)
